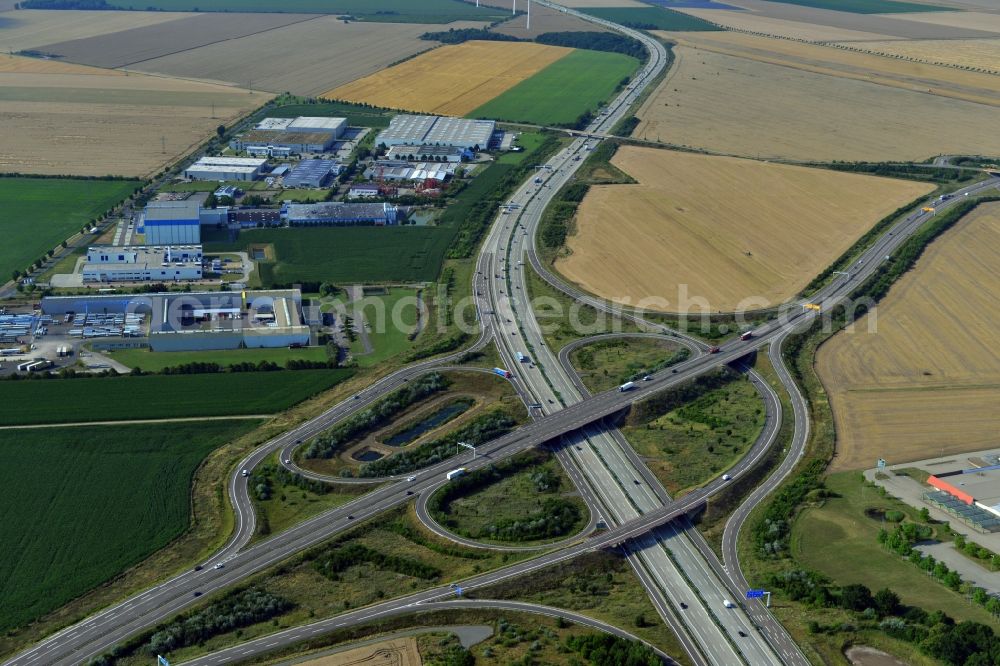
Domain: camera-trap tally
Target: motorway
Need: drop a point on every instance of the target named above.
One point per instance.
(100, 632)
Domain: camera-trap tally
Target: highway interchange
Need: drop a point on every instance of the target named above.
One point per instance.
(613, 481)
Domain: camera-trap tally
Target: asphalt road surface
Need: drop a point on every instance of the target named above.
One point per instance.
(100, 632)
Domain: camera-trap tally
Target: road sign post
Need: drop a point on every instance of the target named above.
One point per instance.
(759, 594)
(469, 446)
(161, 661)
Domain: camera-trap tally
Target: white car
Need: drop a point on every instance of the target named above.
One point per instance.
(411, 478)
(288, 461)
(246, 472)
(726, 477)
(728, 604)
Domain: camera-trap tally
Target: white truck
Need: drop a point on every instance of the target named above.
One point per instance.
(455, 473)
(627, 386)
(522, 358)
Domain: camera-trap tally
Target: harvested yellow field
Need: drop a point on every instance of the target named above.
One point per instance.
(394, 652)
(741, 106)
(110, 123)
(20, 65)
(451, 80)
(927, 381)
(732, 234)
(769, 25)
(975, 53)
(919, 77)
(28, 29)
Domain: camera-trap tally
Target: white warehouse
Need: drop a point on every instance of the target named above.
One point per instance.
(142, 263)
(226, 168)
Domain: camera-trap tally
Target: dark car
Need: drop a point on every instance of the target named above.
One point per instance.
(350, 517)
(683, 606)
(742, 633)
(197, 593)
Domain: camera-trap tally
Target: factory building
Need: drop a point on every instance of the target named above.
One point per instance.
(312, 173)
(409, 130)
(400, 171)
(339, 214)
(332, 126)
(226, 168)
(142, 263)
(200, 320)
(172, 223)
(280, 137)
(429, 153)
(281, 144)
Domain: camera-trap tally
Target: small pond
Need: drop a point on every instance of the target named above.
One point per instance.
(443, 415)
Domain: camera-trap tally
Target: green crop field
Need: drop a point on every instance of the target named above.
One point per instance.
(563, 91)
(160, 396)
(651, 18)
(55, 207)
(386, 11)
(82, 504)
(346, 254)
(151, 361)
(868, 6)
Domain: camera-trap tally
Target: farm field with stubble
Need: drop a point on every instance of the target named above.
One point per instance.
(676, 238)
(451, 80)
(31, 29)
(927, 383)
(358, 49)
(786, 112)
(88, 122)
(83, 504)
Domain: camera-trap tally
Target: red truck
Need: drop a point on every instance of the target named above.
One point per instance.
(746, 335)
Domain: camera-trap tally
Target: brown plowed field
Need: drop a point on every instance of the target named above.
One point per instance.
(742, 106)
(451, 80)
(98, 124)
(119, 49)
(728, 233)
(927, 382)
(327, 53)
(28, 29)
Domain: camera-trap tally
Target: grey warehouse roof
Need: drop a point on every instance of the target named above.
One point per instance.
(418, 130)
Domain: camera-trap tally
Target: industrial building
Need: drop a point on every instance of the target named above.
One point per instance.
(318, 124)
(172, 223)
(250, 218)
(281, 144)
(391, 170)
(313, 173)
(200, 320)
(409, 130)
(363, 191)
(142, 263)
(430, 153)
(339, 214)
(226, 168)
(280, 137)
(971, 495)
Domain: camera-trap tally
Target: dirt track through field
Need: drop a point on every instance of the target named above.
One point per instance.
(927, 383)
(718, 232)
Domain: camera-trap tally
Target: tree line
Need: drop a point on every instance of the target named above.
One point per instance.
(486, 427)
(327, 444)
(338, 558)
